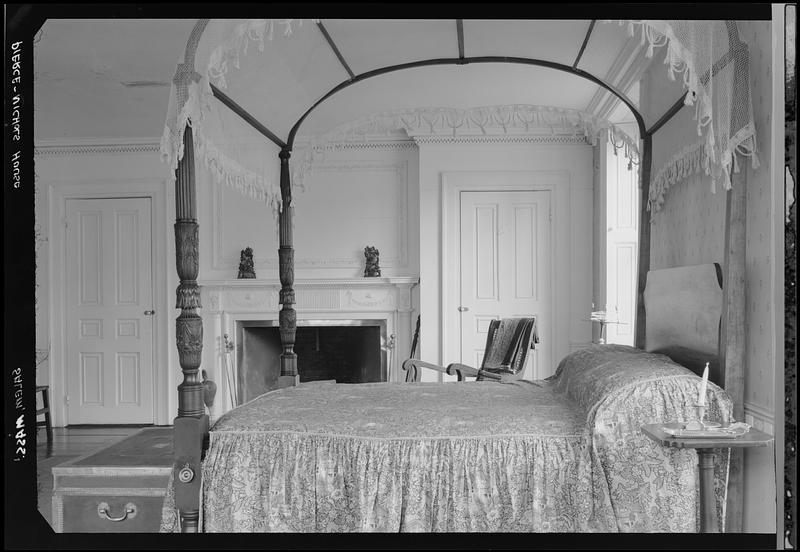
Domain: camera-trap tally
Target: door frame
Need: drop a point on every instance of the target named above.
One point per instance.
(558, 184)
(58, 192)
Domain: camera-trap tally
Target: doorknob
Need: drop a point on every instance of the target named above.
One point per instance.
(149, 312)
(463, 309)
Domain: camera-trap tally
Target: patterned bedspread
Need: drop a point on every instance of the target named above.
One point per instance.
(559, 455)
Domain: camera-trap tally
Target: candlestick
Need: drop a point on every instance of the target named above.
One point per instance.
(701, 400)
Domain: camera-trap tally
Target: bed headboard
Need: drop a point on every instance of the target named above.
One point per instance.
(684, 309)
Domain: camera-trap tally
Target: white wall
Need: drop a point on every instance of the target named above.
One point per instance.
(690, 230)
(572, 231)
(88, 171)
(357, 196)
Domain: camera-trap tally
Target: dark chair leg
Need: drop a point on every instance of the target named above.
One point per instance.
(48, 421)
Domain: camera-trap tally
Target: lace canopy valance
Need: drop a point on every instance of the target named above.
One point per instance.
(275, 69)
(714, 65)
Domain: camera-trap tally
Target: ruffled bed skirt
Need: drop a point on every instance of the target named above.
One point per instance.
(321, 483)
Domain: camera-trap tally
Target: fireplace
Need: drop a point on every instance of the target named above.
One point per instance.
(368, 318)
(348, 351)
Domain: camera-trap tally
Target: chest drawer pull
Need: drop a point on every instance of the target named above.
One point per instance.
(130, 512)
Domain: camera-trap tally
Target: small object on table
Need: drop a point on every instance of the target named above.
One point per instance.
(701, 405)
(601, 317)
(246, 267)
(372, 269)
(209, 390)
(705, 441)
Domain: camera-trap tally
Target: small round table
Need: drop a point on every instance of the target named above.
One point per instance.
(602, 340)
(705, 458)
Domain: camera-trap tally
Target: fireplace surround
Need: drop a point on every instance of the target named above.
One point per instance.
(247, 312)
(348, 351)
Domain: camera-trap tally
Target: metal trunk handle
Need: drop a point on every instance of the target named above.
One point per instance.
(103, 509)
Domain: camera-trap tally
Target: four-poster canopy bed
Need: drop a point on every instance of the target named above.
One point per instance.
(294, 417)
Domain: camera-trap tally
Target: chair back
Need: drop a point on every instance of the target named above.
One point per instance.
(507, 345)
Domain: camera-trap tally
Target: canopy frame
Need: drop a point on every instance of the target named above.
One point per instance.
(191, 425)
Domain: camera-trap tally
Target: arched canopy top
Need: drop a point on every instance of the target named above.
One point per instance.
(251, 87)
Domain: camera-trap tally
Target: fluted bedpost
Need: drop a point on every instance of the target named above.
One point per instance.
(287, 316)
(191, 425)
(189, 325)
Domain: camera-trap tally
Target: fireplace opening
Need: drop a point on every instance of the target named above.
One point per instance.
(346, 351)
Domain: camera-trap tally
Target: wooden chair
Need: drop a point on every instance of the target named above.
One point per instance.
(507, 346)
(46, 423)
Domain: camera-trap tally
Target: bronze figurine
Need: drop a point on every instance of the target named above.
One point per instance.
(372, 269)
(246, 268)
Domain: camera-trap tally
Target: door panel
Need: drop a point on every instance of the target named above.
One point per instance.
(622, 237)
(505, 267)
(109, 338)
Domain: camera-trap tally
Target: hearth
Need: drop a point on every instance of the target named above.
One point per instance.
(348, 351)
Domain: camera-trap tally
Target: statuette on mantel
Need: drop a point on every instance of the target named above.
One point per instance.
(372, 269)
(246, 267)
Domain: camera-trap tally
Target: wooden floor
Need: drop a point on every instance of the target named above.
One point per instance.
(69, 443)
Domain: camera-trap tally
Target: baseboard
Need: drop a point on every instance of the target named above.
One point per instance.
(94, 426)
(759, 417)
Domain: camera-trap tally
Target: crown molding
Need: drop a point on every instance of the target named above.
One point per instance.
(96, 146)
(414, 142)
(503, 139)
(368, 144)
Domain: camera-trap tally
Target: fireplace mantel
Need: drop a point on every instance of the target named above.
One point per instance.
(313, 295)
(313, 282)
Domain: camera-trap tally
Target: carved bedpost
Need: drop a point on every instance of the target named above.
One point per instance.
(644, 240)
(191, 425)
(287, 316)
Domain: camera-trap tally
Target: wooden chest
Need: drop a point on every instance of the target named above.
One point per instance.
(118, 489)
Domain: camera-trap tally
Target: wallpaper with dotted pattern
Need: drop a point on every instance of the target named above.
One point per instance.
(690, 229)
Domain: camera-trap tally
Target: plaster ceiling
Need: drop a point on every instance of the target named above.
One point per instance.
(80, 67)
(109, 78)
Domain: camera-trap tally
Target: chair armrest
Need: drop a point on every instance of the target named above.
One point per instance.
(462, 371)
(412, 366)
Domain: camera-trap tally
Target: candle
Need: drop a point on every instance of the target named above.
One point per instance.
(702, 399)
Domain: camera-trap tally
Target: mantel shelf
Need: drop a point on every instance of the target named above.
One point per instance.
(312, 282)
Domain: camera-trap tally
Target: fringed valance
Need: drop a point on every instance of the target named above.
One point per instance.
(448, 121)
(218, 139)
(715, 68)
(713, 62)
(692, 159)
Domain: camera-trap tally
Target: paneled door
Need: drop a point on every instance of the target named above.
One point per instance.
(622, 251)
(505, 268)
(109, 311)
